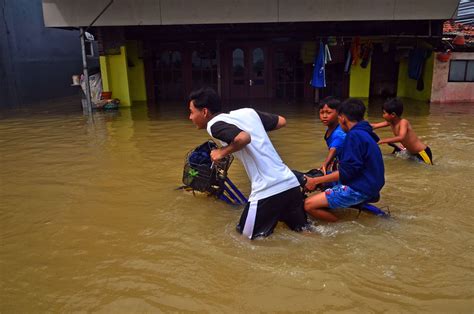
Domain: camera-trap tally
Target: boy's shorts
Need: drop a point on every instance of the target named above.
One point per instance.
(259, 218)
(342, 196)
(426, 156)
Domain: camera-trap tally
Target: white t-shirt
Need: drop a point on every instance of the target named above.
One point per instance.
(265, 169)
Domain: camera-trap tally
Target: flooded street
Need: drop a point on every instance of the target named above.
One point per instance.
(91, 220)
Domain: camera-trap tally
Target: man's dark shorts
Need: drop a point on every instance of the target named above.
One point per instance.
(259, 218)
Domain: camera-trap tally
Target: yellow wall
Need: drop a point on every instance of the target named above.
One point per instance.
(126, 83)
(104, 72)
(115, 76)
(359, 85)
(407, 86)
(136, 73)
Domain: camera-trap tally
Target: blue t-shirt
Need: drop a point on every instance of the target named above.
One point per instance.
(336, 139)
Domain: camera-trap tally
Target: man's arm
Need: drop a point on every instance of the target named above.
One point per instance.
(402, 133)
(379, 125)
(329, 159)
(271, 121)
(312, 183)
(240, 141)
(281, 123)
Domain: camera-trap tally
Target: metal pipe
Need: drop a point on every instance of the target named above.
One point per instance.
(86, 71)
(218, 60)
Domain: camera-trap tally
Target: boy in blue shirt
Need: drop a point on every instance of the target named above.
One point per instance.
(360, 174)
(334, 135)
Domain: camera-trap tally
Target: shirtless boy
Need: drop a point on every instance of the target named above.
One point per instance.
(401, 128)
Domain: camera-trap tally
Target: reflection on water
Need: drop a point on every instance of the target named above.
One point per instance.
(91, 220)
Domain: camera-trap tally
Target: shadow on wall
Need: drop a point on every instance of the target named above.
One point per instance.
(36, 62)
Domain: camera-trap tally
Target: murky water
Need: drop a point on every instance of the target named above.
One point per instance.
(90, 220)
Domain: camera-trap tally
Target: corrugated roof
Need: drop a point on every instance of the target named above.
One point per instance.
(465, 14)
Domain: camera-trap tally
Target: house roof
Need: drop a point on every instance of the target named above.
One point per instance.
(67, 13)
(465, 14)
(453, 28)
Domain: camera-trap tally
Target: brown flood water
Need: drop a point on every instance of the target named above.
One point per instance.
(90, 220)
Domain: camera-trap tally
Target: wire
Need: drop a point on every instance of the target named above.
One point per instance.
(100, 14)
(455, 10)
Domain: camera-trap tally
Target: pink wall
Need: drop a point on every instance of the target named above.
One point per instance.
(444, 91)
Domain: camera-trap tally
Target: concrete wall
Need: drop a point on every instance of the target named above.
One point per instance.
(169, 12)
(444, 91)
(36, 62)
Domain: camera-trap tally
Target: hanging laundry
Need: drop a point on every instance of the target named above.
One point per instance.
(347, 66)
(355, 50)
(332, 41)
(366, 55)
(327, 54)
(416, 60)
(319, 72)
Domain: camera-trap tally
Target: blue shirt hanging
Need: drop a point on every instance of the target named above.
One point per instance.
(319, 72)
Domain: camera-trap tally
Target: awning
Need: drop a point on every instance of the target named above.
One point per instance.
(65, 13)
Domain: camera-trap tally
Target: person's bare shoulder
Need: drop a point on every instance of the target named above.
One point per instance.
(405, 121)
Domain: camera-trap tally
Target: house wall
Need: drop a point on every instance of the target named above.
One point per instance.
(407, 86)
(136, 72)
(359, 83)
(114, 72)
(36, 62)
(124, 75)
(444, 91)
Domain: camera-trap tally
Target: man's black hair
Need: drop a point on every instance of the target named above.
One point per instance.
(331, 102)
(353, 109)
(206, 97)
(393, 105)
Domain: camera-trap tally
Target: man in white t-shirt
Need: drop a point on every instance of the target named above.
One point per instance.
(275, 194)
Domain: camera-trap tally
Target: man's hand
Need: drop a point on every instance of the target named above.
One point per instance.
(323, 168)
(312, 183)
(217, 154)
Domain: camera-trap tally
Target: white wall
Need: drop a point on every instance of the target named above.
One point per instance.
(444, 91)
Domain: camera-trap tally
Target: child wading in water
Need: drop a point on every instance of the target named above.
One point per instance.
(334, 135)
(360, 175)
(401, 128)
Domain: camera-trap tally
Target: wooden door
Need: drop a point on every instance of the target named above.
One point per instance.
(168, 74)
(248, 75)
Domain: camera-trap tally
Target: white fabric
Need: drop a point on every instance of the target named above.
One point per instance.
(250, 220)
(265, 169)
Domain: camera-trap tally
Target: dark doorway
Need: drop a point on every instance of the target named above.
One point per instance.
(204, 67)
(168, 82)
(383, 73)
(289, 74)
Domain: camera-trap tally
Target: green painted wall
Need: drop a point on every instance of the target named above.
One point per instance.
(114, 71)
(407, 86)
(104, 72)
(359, 84)
(136, 72)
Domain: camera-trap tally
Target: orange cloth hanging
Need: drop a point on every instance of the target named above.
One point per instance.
(355, 50)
